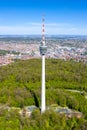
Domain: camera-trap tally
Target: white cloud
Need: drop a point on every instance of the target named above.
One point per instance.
(36, 28)
(19, 30)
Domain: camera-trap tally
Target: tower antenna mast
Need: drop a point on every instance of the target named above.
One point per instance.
(43, 31)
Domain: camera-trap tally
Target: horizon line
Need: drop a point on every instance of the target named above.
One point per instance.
(41, 34)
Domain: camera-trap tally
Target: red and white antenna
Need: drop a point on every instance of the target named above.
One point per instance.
(43, 31)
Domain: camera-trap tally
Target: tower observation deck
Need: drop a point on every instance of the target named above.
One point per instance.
(43, 49)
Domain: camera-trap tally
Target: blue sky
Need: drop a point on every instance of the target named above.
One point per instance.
(61, 16)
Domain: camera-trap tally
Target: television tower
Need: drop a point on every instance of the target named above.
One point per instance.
(43, 50)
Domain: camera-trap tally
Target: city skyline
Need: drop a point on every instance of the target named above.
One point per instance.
(24, 17)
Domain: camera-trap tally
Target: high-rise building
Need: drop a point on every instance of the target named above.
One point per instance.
(43, 50)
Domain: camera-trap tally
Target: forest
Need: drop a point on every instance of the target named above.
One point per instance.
(20, 86)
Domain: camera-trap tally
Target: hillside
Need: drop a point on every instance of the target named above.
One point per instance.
(20, 85)
(20, 82)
